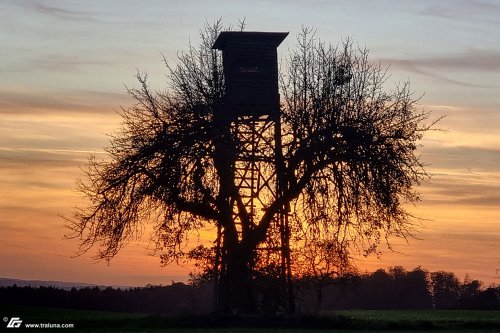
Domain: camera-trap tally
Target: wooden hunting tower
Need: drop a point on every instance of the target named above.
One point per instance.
(250, 72)
(249, 119)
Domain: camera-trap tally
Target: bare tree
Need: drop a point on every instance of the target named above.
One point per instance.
(319, 263)
(349, 163)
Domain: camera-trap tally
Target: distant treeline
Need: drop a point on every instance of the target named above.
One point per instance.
(177, 298)
(395, 288)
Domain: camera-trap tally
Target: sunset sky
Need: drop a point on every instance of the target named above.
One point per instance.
(64, 65)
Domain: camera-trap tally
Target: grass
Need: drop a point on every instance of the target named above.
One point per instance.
(394, 321)
(428, 320)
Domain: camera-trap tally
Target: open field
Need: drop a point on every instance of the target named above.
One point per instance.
(396, 321)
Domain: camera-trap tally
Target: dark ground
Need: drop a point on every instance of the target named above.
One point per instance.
(342, 321)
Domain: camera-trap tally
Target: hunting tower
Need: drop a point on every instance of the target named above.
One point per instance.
(250, 112)
(250, 72)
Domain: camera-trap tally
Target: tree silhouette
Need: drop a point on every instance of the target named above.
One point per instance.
(349, 164)
(320, 263)
(445, 289)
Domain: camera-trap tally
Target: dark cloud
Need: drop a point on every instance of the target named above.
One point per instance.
(471, 119)
(412, 66)
(484, 60)
(471, 235)
(470, 159)
(462, 176)
(20, 158)
(467, 190)
(471, 59)
(26, 102)
(468, 10)
(61, 12)
(19, 102)
(68, 62)
(57, 12)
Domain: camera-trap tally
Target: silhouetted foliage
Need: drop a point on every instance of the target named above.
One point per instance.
(318, 263)
(445, 289)
(392, 289)
(175, 299)
(350, 163)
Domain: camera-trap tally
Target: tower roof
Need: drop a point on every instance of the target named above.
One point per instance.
(256, 39)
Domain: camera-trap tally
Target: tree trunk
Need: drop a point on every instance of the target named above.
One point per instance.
(236, 288)
(319, 296)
